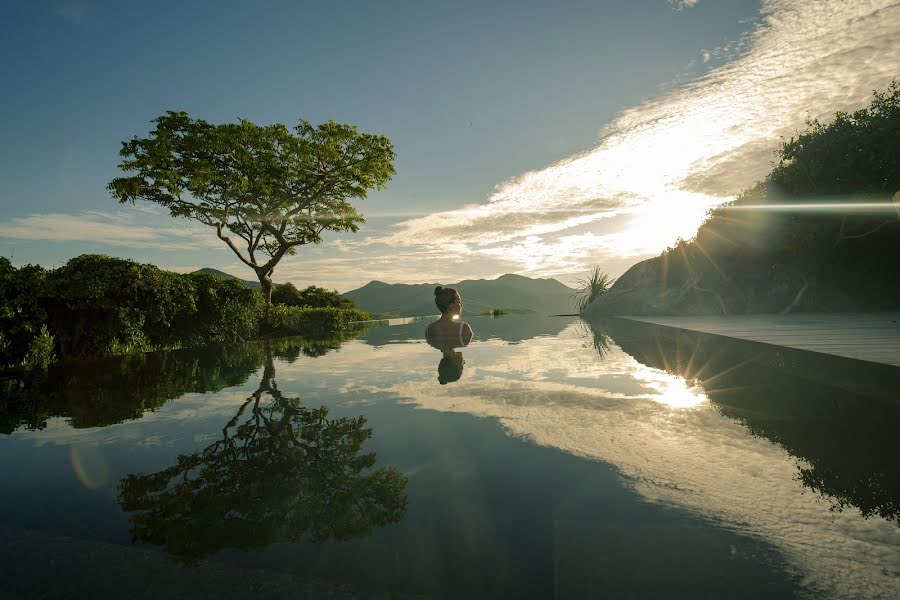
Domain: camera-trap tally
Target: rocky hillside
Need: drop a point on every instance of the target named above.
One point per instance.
(820, 233)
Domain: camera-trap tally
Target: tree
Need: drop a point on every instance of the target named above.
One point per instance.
(273, 188)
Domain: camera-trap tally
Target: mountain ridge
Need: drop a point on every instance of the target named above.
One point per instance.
(210, 271)
(514, 293)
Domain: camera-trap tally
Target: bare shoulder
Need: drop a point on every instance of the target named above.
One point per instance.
(432, 329)
(468, 333)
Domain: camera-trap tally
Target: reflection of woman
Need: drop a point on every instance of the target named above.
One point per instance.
(448, 333)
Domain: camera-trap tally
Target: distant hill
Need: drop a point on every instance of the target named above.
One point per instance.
(210, 271)
(514, 293)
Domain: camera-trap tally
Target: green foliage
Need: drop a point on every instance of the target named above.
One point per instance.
(314, 321)
(40, 351)
(227, 310)
(274, 188)
(102, 392)
(496, 312)
(589, 289)
(102, 306)
(855, 153)
(312, 296)
(21, 313)
(97, 305)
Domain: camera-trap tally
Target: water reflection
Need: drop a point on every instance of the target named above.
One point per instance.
(280, 472)
(450, 368)
(103, 392)
(810, 405)
(554, 392)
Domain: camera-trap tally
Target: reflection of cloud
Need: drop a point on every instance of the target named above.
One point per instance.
(665, 162)
(655, 428)
(123, 227)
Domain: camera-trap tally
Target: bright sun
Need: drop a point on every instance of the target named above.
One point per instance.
(657, 224)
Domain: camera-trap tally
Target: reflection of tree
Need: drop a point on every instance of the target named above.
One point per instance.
(838, 416)
(280, 471)
(101, 392)
(594, 338)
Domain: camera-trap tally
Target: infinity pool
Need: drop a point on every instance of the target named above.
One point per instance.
(568, 460)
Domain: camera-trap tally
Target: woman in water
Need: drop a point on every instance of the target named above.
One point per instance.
(448, 333)
(449, 328)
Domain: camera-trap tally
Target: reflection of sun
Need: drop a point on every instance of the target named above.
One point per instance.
(671, 390)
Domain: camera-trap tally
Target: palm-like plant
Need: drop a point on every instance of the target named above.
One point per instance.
(592, 287)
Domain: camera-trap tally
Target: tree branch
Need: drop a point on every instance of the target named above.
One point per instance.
(842, 237)
(231, 245)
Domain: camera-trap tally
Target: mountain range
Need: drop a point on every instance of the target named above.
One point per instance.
(512, 293)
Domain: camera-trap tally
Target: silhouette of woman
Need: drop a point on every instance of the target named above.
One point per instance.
(448, 333)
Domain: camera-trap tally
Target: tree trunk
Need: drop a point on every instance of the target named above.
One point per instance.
(265, 283)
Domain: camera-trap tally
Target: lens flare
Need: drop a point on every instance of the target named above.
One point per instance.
(669, 389)
(89, 466)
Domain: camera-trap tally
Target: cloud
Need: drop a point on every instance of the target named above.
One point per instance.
(663, 164)
(655, 171)
(144, 228)
(683, 4)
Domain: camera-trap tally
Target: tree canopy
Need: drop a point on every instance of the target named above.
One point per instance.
(265, 189)
(855, 153)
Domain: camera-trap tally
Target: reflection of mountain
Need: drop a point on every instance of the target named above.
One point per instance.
(839, 416)
(103, 392)
(509, 328)
(514, 293)
(281, 471)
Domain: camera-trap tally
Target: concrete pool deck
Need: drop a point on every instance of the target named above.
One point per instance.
(873, 337)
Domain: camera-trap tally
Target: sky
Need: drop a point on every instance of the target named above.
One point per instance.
(538, 138)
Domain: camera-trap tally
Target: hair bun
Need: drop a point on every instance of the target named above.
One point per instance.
(438, 290)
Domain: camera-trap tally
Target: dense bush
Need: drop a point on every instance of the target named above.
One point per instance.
(21, 314)
(313, 321)
(312, 296)
(226, 310)
(97, 305)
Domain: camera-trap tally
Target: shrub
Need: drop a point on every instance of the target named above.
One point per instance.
(40, 351)
(312, 296)
(313, 321)
(589, 289)
(21, 314)
(226, 310)
(97, 305)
